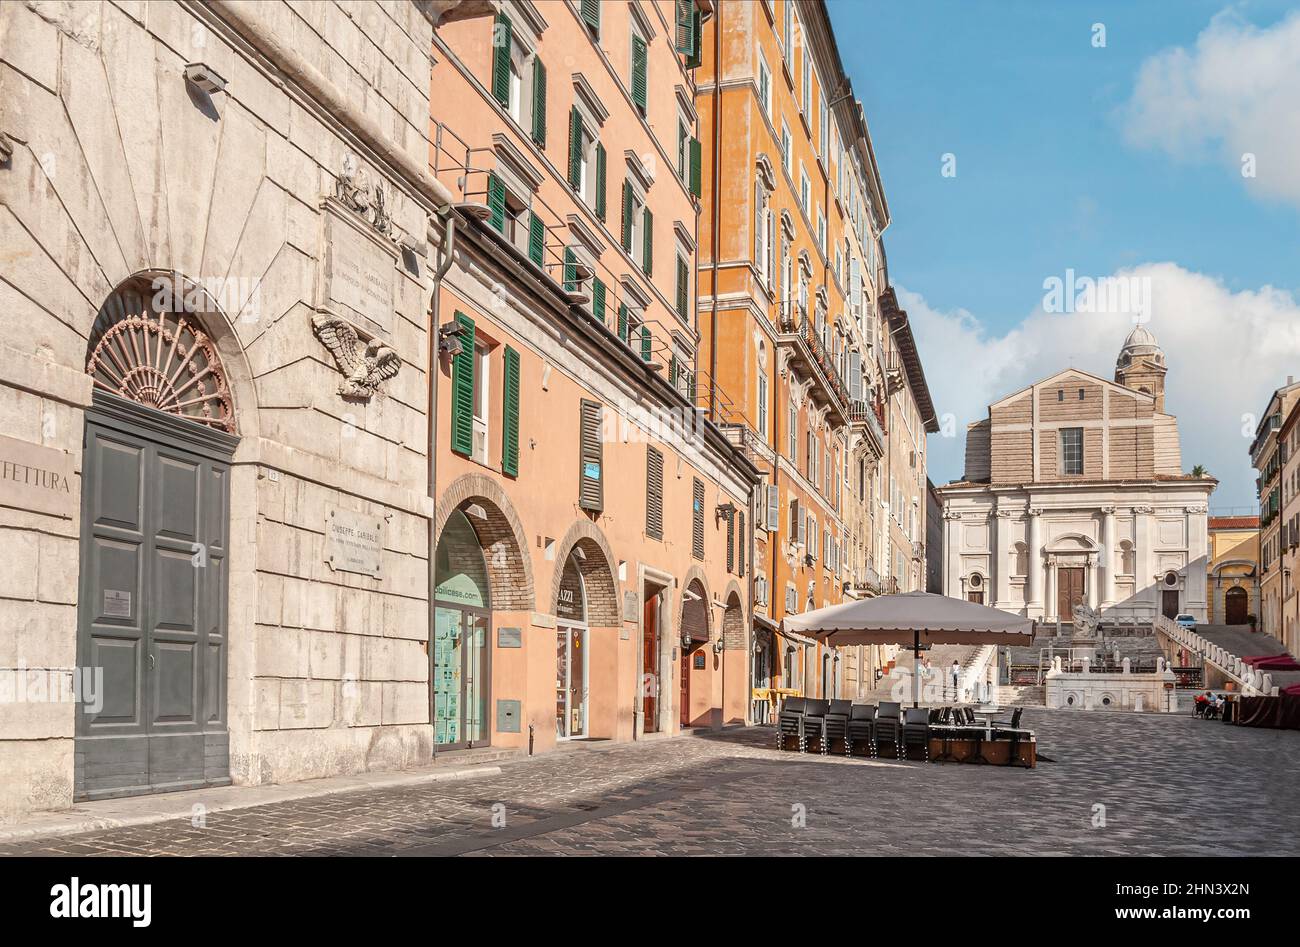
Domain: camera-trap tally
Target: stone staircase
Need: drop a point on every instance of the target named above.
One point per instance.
(1005, 695)
(898, 686)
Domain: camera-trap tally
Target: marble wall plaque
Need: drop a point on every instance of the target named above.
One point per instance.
(41, 479)
(360, 274)
(354, 542)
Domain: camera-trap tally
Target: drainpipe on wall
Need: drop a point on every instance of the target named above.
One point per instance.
(716, 213)
(440, 270)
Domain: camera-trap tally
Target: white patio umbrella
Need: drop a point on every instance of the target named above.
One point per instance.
(918, 616)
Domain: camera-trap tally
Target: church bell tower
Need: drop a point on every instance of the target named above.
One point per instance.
(1141, 365)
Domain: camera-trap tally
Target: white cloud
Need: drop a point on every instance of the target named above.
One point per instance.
(1226, 352)
(1236, 92)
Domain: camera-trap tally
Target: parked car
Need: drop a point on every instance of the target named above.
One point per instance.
(1187, 621)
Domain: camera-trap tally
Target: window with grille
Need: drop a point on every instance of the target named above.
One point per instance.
(1072, 450)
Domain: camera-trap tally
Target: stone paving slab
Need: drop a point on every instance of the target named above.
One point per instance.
(1118, 784)
(166, 807)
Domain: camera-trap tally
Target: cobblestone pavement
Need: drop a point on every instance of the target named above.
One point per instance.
(1169, 785)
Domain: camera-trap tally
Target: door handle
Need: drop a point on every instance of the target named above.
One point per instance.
(151, 662)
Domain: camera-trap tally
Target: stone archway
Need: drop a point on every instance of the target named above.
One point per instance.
(596, 563)
(694, 595)
(734, 626)
(157, 470)
(493, 517)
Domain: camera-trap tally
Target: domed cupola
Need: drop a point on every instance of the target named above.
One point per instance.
(1141, 365)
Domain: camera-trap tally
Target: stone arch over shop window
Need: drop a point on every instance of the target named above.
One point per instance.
(500, 534)
(693, 608)
(154, 342)
(595, 561)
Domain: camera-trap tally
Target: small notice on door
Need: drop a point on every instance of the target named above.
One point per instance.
(117, 603)
(354, 542)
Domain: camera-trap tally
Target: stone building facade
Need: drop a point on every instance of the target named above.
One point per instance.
(1233, 570)
(1074, 495)
(1269, 454)
(216, 286)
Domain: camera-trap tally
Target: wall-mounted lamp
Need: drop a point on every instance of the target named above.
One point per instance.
(449, 338)
(727, 509)
(204, 78)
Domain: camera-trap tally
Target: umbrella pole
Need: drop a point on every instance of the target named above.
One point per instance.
(916, 667)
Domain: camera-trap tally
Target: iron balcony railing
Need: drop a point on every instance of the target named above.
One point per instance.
(863, 414)
(795, 325)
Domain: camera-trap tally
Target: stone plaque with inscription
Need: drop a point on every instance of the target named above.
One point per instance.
(354, 542)
(36, 478)
(359, 280)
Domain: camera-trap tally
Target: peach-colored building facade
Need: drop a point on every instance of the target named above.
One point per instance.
(592, 572)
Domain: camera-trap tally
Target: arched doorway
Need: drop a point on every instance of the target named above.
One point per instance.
(695, 636)
(572, 667)
(462, 632)
(152, 613)
(1236, 605)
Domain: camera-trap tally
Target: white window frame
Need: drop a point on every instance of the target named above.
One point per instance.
(482, 411)
(764, 83)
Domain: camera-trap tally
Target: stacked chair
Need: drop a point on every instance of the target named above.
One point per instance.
(837, 724)
(862, 726)
(916, 730)
(814, 723)
(789, 722)
(889, 725)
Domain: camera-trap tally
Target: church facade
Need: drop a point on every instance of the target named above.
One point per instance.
(1074, 494)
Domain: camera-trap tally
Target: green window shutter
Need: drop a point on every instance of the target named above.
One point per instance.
(570, 271)
(741, 552)
(654, 493)
(683, 40)
(645, 343)
(510, 415)
(672, 371)
(575, 148)
(695, 168)
(683, 285)
(496, 199)
(647, 260)
(462, 389)
(695, 56)
(600, 181)
(539, 102)
(598, 300)
(627, 216)
(589, 11)
(639, 72)
(502, 40)
(622, 321)
(591, 474)
(536, 239)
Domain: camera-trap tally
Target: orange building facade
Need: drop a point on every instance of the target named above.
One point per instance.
(805, 359)
(591, 574)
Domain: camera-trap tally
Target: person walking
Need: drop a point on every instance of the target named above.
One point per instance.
(955, 674)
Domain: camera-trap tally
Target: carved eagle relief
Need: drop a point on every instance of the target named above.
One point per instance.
(364, 364)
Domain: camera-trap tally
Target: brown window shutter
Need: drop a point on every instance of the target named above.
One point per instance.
(697, 518)
(591, 474)
(654, 493)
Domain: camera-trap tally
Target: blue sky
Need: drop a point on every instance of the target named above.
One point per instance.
(1070, 156)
